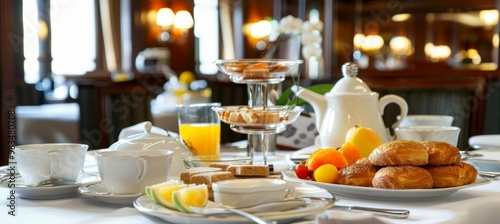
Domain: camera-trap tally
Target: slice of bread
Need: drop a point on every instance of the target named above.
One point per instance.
(249, 170)
(186, 174)
(211, 177)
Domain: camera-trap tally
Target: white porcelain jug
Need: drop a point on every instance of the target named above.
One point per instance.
(350, 102)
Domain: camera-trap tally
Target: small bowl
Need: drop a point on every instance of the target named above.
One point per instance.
(248, 192)
(258, 118)
(206, 160)
(423, 133)
(427, 120)
(257, 70)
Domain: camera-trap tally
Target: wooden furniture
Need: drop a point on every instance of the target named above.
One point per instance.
(107, 107)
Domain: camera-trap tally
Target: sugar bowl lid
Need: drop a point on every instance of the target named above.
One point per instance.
(350, 83)
(147, 140)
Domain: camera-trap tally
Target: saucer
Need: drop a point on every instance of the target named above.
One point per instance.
(17, 184)
(98, 191)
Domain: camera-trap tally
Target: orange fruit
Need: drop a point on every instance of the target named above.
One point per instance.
(312, 155)
(350, 152)
(326, 156)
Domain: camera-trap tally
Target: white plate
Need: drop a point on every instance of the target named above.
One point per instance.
(146, 206)
(98, 191)
(46, 192)
(485, 164)
(384, 194)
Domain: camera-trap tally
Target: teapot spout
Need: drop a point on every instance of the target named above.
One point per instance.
(317, 101)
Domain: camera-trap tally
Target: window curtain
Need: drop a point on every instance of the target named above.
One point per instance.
(110, 21)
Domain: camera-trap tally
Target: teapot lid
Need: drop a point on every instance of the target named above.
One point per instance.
(147, 134)
(144, 139)
(350, 83)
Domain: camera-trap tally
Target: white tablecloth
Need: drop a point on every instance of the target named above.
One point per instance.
(472, 205)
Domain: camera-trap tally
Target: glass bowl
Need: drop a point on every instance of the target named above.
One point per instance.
(207, 160)
(245, 119)
(257, 70)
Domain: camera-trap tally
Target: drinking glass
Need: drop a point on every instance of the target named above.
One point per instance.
(199, 128)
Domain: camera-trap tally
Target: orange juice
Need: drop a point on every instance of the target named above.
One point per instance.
(201, 139)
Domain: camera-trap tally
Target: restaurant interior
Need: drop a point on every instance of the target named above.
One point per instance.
(82, 72)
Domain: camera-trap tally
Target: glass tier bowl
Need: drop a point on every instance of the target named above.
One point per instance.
(258, 120)
(252, 71)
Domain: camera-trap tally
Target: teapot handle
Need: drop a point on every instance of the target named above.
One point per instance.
(391, 98)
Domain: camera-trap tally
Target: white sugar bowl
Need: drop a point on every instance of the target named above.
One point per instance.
(152, 141)
(248, 192)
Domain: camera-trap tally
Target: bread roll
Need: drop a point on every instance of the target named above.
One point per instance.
(402, 177)
(452, 175)
(399, 153)
(471, 172)
(364, 160)
(442, 153)
(358, 174)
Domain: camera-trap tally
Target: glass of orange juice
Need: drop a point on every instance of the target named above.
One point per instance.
(199, 128)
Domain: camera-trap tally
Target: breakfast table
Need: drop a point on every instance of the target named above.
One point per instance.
(476, 204)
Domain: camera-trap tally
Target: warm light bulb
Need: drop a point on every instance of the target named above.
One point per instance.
(260, 29)
(489, 17)
(165, 17)
(183, 20)
(400, 44)
(372, 43)
(358, 40)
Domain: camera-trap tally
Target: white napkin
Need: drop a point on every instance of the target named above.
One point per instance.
(482, 141)
(139, 128)
(124, 215)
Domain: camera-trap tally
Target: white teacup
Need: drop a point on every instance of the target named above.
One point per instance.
(129, 172)
(39, 162)
(426, 120)
(422, 133)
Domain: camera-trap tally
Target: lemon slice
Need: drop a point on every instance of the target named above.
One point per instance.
(184, 198)
(149, 189)
(163, 195)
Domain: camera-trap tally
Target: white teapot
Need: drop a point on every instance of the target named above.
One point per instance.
(152, 141)
(349, 103)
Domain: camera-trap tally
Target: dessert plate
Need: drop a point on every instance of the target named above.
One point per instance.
(384, 194)
(98, 191)
(317, 200)
(146, 206)
(46, 192)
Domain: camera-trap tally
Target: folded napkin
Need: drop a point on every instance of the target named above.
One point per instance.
(139, 128)
(483, 141)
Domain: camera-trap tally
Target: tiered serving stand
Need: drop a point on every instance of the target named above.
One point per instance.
(258, 74)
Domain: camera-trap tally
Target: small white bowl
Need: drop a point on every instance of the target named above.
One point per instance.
(247, 192)
(426, 120)
(423, 133)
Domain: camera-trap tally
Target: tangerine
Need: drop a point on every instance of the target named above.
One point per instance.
(350, 152)
(326, 156)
